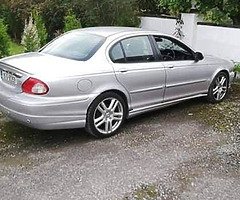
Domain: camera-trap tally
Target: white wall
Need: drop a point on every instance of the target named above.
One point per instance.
(164, 25)
(214, 40)
(219, 41)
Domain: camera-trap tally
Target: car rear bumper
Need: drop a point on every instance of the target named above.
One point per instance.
(46, 113)
(45, 122)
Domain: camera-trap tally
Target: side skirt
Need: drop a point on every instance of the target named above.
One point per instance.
(139, 111)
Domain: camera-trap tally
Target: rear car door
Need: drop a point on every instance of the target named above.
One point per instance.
(185, 76)
(135, 66)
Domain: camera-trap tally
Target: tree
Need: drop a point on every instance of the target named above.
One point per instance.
(217, 11)
(71, 22)
(30, 39)
(110, 13)
(41, 29)
(4, 40)
(220, 11)
(175, 7)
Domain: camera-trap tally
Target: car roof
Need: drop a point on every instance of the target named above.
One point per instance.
(111, 30)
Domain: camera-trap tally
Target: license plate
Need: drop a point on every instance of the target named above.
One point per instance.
(9, 78)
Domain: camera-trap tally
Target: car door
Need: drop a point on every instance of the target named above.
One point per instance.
(185, 76)
(135, 66)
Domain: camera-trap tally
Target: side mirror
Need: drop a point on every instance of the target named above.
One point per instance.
(198, 56)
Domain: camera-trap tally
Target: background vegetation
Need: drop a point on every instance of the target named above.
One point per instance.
(53, 17)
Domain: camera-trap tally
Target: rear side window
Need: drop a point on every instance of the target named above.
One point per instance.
(116, 54)
(138, 49)
(132, 50)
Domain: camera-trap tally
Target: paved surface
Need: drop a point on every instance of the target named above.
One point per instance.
(183, 158)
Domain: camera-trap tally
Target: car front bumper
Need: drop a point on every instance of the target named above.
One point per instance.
(46, 113)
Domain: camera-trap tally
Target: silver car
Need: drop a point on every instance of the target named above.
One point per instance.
(98, 77)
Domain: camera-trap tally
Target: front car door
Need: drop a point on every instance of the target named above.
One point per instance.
(134, 62)
(185, 76)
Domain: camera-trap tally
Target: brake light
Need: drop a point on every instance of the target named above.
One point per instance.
(34, 86)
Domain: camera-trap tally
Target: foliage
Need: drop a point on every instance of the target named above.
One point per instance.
(53, 12)
(71, 22)
(15, 48)
(15, 13)
(220, 12)
(237, 68)
(216, 16)
(110, 13)
(41, 29)
(4, 40)
(175, 7)
(30, 39)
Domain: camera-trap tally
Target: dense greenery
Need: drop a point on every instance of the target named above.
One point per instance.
(15, 48)
(71, 22)
(217, 11)
(40, 26)
(52, 17)
(4, 40)
(237, 68)
(53, 12)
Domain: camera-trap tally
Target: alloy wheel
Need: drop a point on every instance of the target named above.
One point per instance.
(220, 87)
(108, 115)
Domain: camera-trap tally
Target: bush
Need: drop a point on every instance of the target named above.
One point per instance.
(41, 29)
(71, 22)
(30, 39)
(4, 40)
(237, 68)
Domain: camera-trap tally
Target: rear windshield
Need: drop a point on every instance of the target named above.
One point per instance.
(75, 46)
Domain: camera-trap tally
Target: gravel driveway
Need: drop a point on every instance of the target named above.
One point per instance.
(168, 154)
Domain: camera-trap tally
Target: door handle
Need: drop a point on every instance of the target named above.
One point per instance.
(170, 66)
(123, 70)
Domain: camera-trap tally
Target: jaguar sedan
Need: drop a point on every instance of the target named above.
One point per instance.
(98, 77)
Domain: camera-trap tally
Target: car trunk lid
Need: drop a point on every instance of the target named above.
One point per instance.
(44, 65)
(11, 78)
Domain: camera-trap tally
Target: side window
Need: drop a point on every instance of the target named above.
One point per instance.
(172, 50)
(138, 49)
(116, 54)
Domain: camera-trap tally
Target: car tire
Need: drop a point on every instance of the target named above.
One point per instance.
(218, 89)
(106, 115)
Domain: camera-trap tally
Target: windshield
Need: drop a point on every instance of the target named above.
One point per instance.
(75, 45)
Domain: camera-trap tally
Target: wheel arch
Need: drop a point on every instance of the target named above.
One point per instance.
(219, 71)
(125, 97)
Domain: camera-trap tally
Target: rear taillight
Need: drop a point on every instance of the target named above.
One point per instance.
(34, 86)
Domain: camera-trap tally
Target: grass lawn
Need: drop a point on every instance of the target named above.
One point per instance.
(16, 48)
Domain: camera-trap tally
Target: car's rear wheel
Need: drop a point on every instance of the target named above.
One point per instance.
(106, 115)
(219, 88)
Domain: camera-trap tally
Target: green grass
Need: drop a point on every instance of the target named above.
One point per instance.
(16, 48)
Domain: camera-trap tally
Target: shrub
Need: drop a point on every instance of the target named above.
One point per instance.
(4, 40)
(41, 29)
(30, 39)
(237, 68)
(71, 22)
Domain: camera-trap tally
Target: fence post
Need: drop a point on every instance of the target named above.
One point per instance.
(190, 28)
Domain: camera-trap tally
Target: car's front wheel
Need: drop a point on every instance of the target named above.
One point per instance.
(106, 115)
(218, 88)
